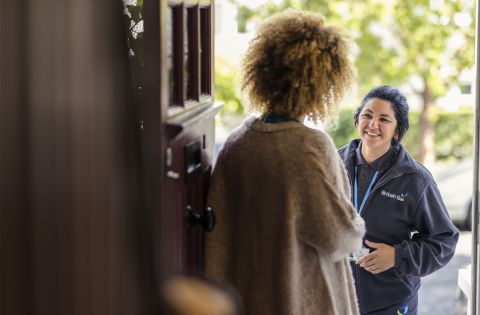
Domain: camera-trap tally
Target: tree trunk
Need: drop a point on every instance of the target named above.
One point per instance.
(427, 150)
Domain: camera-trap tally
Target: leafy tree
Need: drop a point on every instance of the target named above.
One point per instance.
(227, 85)
(425, 44)
(458, 144)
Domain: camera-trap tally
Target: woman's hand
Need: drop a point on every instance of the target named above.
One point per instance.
(383, 258)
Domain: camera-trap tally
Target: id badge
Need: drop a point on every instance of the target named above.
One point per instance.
(359, 253)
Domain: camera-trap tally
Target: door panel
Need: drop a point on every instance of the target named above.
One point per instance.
(188, 121)
(191, 153)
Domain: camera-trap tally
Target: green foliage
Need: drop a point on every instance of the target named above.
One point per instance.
(342, 130)
(453, 133)
(244, 14)
(227, 84)
(410, 140)
(397, 41)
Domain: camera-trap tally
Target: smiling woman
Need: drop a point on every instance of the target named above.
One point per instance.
(396, 196)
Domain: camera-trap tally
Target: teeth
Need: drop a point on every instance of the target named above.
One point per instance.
(372, 134)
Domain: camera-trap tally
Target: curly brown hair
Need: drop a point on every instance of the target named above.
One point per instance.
(296, 65)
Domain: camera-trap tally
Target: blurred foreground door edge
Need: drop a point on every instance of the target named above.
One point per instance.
(95, 182)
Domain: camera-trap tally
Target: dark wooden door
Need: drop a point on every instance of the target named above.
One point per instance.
(189, 141)
(172, 67)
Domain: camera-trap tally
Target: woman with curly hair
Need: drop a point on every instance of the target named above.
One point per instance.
(282, 197)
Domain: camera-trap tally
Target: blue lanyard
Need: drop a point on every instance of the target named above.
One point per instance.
(355, 193)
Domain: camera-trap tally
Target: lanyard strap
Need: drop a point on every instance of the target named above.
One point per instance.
(355, 193)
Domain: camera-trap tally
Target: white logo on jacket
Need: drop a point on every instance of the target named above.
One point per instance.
(400, 197)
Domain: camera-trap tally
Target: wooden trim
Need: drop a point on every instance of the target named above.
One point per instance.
(190, 2)
(174, 2)
(204, 98)
(204, 3)
(174, 110)
(190, 106)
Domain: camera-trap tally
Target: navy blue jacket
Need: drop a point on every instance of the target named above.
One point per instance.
(404, 210)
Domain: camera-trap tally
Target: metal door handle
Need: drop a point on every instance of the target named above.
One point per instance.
(207, 221)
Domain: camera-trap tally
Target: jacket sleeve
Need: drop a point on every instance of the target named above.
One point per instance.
(433, 245)
(328, 221)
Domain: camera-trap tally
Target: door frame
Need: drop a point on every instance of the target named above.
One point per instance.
(474, 305)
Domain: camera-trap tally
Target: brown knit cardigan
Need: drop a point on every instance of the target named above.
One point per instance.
(285, 221)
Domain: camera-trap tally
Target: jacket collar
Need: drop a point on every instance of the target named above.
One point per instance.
(380, 164)
(403, 163)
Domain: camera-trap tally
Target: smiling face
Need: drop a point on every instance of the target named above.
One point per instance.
(377, 126)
